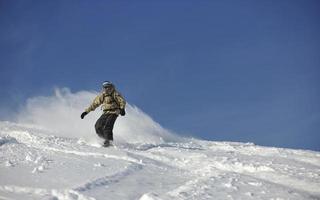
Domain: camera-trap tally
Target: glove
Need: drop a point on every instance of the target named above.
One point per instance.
(122, 112)
(83, 114)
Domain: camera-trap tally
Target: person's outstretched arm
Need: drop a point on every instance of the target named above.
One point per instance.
(96, 103)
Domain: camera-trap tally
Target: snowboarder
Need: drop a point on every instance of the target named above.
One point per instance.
(113, 104)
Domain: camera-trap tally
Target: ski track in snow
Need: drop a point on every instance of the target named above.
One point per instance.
(59, 168)
(106, 180)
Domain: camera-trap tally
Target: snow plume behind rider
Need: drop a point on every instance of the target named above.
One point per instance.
(59, 114)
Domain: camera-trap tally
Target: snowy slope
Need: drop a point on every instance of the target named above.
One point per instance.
(50, 153)
(37, 165)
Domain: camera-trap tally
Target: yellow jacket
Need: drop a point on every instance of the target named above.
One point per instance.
(111, 103)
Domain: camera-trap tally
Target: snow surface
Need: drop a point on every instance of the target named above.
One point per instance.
(50, 153)
(37, 165)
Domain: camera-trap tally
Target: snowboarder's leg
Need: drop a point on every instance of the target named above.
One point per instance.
(100, 124)
(108, 128)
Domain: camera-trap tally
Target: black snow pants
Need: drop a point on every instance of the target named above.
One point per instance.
(104, 125)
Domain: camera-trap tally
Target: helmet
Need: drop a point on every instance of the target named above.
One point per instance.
(106, 84)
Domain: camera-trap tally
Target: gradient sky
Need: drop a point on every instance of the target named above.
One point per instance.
(244, 71)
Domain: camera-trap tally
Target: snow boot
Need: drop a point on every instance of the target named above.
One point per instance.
(107, 143)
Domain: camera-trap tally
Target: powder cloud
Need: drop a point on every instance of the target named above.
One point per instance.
(60, 113)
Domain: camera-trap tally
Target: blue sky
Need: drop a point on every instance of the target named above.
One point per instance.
(243, 71)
